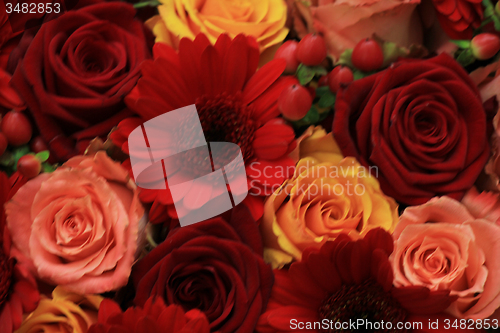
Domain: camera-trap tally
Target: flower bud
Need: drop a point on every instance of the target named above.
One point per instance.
(485, 45)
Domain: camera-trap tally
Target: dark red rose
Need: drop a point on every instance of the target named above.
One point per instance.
(421, 123)
(207, 266)
(459, 18)
(77, 70)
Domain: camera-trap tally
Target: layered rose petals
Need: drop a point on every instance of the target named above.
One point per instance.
(421, 123)
(441, 246)
(206, 266)
(79, 226)
(154, 317)
(328, 195)
(77, 70)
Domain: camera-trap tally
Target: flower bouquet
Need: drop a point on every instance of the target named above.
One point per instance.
(249, 166)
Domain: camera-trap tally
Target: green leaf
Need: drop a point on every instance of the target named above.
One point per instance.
(345, 58)
(152, 3)
(359, 74)
(43, 155)
(46, 167)
(326, 100)
(465, 58)
(20, 152)
(305, 74)
(489, 11)
(7, 159)
(496, 22)
(463, 44)
(322, 90)
(312, 116)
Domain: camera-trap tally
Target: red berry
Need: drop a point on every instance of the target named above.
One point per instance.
(311, 50)
(485, 46)
(3, 143)
(37, 145)
(16, 127)
(294, 102)
(340, 75)
(367, 55)
(29, 166)
(288, 52)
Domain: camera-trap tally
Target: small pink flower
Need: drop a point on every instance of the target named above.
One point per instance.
(79, 226)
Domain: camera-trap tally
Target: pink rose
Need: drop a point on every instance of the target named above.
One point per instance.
(344, 23)
(442, 246)
(79, 226)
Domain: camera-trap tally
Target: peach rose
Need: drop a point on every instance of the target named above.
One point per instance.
(79, 226)
(344, 23)
(442, 246)
(262, 19)
(327, 196)
(64, 313)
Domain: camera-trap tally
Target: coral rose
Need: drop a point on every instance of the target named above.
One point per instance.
(65, 312)
(262, 19)
(344, 23)
(79, 226)
(329, 195)
(441, 246)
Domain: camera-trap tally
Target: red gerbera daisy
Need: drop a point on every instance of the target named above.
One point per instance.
(154, 317)
(344, 281)
(18, 289)
(235, 102)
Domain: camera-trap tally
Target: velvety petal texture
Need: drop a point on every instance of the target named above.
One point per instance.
(442, 246)
(76, 71)
(206, 266)
(78, 227)
(421, 123)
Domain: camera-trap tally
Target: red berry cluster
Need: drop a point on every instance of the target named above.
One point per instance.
(296, 100)
(16, 130)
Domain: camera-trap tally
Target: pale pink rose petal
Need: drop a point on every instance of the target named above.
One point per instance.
(483, 205)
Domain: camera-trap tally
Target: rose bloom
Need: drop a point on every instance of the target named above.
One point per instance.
(329, 195)
(421, 122)
(262, 19)
(76, 71)
(9, 98)
(153, 318)
(79, 226)
(441, 246)
(65, 312)
(212, 267)
(344, 23)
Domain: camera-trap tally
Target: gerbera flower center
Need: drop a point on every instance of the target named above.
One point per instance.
(366, 301)
(6, 268)
(224, 118)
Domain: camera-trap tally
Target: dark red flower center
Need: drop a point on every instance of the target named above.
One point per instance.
(6, 268)
(367, 301)
(224, 118)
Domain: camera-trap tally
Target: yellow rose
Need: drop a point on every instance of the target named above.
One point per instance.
(66, 312)
(262, 19)
(328, 195)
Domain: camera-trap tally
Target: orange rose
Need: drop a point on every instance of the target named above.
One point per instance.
(344, 23)
(262, 19)
(79, 226)
(65, 312)
(327, 196)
